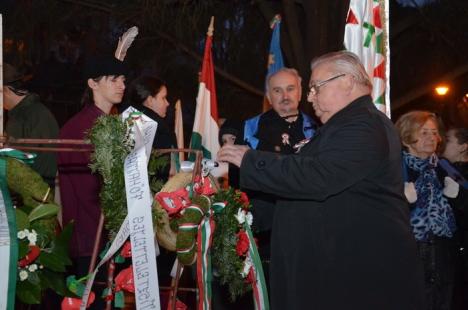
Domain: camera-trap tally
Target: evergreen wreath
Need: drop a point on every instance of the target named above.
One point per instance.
(229, 242)
(229, 208)
(42, 252)
(112, 142)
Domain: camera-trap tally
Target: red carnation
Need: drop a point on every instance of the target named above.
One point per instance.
(244, 199)
(125, 281)
(126, 250)
(242, 243)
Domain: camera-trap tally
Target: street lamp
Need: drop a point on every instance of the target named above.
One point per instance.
(442, 90)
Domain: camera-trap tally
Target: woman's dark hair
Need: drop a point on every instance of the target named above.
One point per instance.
(87, 97)
(143, 87)
(461, 134)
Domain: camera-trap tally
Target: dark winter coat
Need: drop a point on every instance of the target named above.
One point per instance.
(31, 119)
(341, 237)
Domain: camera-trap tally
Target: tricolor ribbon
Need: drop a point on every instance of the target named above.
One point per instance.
(260, 292)
(204, 242)
(204, 276)
(8, 231)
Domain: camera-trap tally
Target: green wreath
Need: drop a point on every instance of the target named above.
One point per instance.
(42, 253)
(110, 137)
(112, 143)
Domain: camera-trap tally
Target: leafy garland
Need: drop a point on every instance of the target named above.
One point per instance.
(43, 260)
(112, 140)
(229, 241)
(112, 143)
(229, 250)
(42, 254)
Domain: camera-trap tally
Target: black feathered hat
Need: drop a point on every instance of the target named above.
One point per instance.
(97, 66)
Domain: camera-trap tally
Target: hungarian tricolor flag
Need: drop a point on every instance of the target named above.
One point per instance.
(205, 126)
(365, 35)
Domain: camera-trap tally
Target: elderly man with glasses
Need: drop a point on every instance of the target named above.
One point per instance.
(341, 237)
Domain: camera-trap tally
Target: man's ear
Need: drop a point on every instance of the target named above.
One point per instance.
(92, 84)
(348, 82)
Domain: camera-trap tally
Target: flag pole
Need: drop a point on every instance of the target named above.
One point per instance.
(275, 57)
(179, 129)
(386, 29)
(1, 76)
(211, 27)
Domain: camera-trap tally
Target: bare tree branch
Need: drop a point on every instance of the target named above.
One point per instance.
(240, 83)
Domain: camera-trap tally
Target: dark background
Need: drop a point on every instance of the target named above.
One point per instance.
(51, 39)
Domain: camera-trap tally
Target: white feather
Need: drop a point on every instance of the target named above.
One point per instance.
(124, 42)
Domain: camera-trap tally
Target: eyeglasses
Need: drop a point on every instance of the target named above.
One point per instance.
(314, 89)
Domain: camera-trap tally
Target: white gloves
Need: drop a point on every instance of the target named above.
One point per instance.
(410, 192)
(451, 187)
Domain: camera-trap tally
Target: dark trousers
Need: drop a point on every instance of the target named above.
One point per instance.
(460, 300)
(438, 256)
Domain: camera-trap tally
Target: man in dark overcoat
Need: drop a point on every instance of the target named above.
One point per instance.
(341, 237)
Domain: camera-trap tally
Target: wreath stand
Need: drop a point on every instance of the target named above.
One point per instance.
(74, 145)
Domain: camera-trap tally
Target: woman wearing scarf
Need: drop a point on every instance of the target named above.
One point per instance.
(432, 218)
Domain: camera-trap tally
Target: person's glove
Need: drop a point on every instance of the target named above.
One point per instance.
(410, 192)
(451, 188)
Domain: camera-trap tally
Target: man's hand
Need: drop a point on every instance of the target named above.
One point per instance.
(232, 154)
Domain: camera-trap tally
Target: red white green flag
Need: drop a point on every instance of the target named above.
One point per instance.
(366, 35)
(205, 126)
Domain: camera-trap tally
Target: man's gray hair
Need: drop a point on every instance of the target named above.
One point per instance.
(291, 71)
(345, 62)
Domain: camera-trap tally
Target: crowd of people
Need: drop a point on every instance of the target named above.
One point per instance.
(352, 212)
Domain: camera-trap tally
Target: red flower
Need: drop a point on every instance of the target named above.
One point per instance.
(33, 253)
(242, 243)
(126, 250)
(124, 280)
(244, 199)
